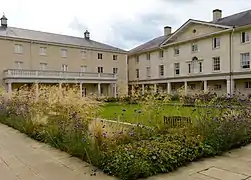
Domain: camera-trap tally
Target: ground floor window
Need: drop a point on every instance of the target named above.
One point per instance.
(248, 85)
(217, 87)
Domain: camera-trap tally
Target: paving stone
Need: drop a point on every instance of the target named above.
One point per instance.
(6, 173)
(198, 176)
(22, 158)
(222, 174)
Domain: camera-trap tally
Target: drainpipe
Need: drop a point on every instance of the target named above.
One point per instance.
(231, 58)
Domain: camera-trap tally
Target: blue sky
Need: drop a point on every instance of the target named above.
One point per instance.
(121, 23)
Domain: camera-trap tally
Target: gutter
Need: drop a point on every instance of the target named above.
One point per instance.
(231, 59)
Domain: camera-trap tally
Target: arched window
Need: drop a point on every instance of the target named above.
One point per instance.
(195, 66)
(195, 58)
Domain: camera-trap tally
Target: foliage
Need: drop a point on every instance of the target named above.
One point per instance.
(162, 153)
(58, 116)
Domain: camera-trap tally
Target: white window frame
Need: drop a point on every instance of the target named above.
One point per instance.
(148, 72)
(115, 70)
(100, 69)
(161, 54)
(161, 70)
(248, 85)
(83, 54)
(19, 64)
(43, 66)
(200, 66)
(216, 63)
(176, 68)
(137, 59)
(148, 56)
(195, 66)
(115, 57)
(63, 53)
(245, 60)
(83, 68)
(43, 51)
(100, 56)
(194, 47)
(245, 38)
(137, 73)
(216, 42)
(176, 51)
(64, 67)
(18, 48)
(217, 87)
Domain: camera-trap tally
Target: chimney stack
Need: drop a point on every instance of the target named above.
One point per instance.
(217, 14)
(167, 30)
(87, 35)
(4, 22)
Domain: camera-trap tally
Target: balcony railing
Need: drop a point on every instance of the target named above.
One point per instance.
(39, 74)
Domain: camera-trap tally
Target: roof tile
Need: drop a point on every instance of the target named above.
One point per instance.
(55, 38)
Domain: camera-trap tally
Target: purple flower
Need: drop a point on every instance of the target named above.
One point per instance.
(104, 135)
(131, 134)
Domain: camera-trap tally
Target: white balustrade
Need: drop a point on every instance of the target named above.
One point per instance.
(12, 73)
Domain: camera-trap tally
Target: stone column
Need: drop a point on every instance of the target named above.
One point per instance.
(205, 86)
(230, 86)
(143, 89)
(99, 89)
(37, 91)
(115, 90)
(81, 89)
(60, 85)
(185, 87)
(155, 88)
(9, 87)
(169, 87)
(132, 90)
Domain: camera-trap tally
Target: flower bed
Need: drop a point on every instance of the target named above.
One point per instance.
(62, 119)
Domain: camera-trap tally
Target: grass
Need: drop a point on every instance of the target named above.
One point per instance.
(134, 113)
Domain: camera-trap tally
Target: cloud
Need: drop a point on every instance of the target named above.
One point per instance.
(127, 33)
(77, 26)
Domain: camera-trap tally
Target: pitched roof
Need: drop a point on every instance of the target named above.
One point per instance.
(14, 32)
(150, 45)
(239, 19)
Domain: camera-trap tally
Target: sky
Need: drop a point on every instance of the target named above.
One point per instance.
(121, 23)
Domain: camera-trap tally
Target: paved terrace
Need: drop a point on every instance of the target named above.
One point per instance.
(22, 158)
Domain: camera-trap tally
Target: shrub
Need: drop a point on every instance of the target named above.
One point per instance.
(163, 153)
(62, 119)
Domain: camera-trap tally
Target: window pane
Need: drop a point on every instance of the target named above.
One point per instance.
(245, 60)
(148, 71)
(161, 70)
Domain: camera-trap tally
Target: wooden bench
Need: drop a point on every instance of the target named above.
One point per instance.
(177, 121)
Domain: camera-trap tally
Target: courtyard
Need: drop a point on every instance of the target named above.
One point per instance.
(126, 138)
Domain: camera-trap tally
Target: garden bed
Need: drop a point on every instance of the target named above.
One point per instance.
(121, 149)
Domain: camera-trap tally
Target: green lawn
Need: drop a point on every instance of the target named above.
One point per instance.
(134, 113)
